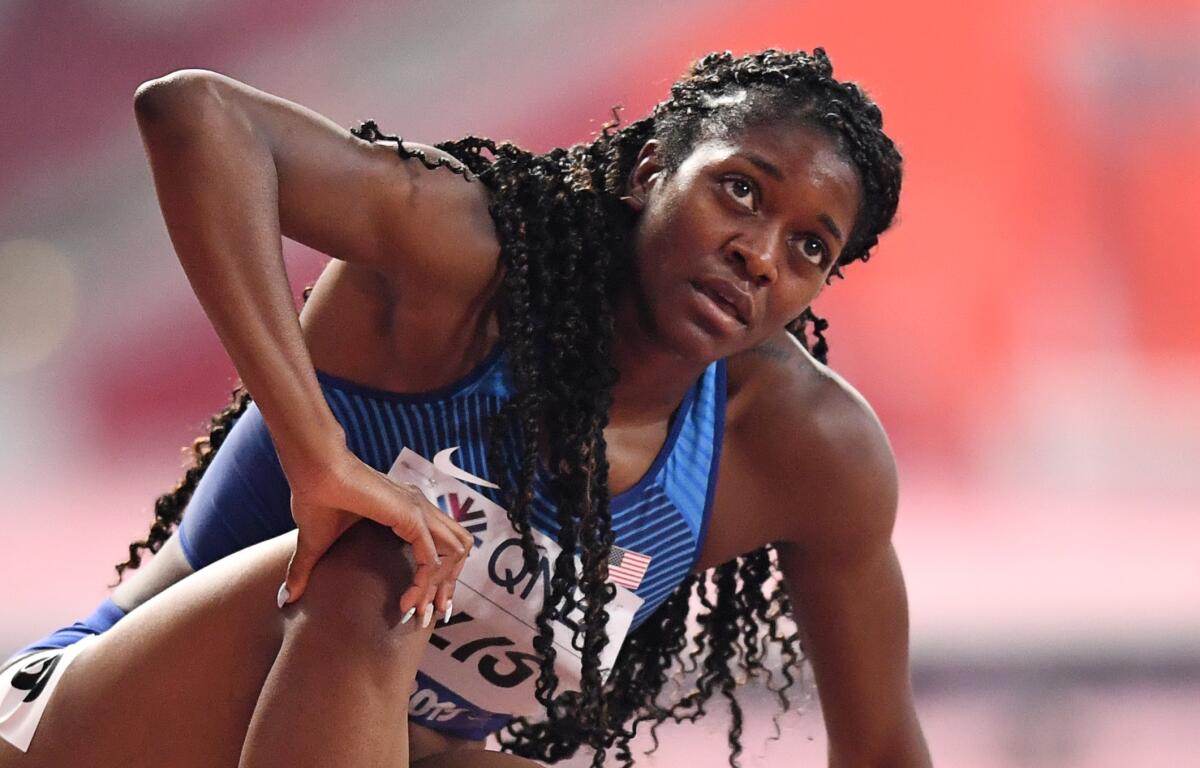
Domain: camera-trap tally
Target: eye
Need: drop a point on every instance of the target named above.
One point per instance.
(813, 249)
(741, 190)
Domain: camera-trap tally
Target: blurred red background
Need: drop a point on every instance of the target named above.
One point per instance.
(1028, 332)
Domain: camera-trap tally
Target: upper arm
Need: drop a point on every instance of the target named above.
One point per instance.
(850, 602)
(352, 199)
(841, 570)
(853, 616)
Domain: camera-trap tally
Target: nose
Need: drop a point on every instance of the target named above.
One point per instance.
(758, 261)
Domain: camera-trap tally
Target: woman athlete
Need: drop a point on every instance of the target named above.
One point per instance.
(603, 348)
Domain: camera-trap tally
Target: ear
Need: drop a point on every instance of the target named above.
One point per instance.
(647, 170)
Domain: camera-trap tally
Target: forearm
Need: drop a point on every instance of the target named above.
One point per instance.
(218, 190)
(907, 750)
(853, 614)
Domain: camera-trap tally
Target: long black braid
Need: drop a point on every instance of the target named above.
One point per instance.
(566, 251)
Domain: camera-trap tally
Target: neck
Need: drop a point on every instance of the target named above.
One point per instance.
(653, 379)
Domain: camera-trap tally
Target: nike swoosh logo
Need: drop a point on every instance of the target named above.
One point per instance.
(443, 464)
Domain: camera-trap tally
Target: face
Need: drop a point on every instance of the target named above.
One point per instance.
(738, 240)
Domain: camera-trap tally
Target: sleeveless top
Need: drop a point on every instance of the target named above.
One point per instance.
(659, 523)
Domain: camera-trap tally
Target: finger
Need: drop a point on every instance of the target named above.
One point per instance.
(300, 567)
(398, 506)
(443, 595)
(421, 595)
(462, 534)
(467, 541)
(428, 604)
(419, 599)
(445, 537)
(412, 527)
(424, 547)
(315, 536)
(463, 543)
(412, 601)
(452, 579)
(444, 601)
(458, 569)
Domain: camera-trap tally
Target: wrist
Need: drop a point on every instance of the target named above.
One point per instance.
(311, 458)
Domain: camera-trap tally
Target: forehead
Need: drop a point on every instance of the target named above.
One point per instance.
(809, 161)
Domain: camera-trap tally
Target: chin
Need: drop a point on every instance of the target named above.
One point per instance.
(696, 344)
(671, 319)
(698, 348)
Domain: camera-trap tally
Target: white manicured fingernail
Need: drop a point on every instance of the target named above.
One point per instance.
(408, 615)
(282, 598)
(449, 607)
(428, 615)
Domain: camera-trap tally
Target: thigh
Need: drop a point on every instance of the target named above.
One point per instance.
(470, 758)
(176, 681)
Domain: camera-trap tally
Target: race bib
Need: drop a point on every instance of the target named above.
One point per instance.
(480, 666)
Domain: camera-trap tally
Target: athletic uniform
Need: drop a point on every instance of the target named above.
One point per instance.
(659, 524)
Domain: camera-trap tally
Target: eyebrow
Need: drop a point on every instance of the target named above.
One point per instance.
(772, 170)
(825, 219)
(763, 164)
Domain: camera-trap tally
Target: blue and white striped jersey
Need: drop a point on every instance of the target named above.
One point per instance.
(244, 498)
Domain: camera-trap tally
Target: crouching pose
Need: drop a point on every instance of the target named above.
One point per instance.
(539, 413)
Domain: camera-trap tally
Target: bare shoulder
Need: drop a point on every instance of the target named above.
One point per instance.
(436, 221)
(352, 195)
(805, 433)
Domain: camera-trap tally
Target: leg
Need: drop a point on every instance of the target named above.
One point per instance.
(178, 681)
(475, 759)
(175, 681)
(338, 692)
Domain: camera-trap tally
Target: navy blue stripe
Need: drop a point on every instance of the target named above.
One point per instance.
(462, 418)
(667, 568)
(655, 548)
(635, 528)
(630, 496)
(426, 446)
(334, 399)
(409, 430)
(378, 457)
(379, 441)
(340, 405)
(645, 519)
(718, 439)
(379, 427)
(669, 565)
(433, 417)
(468, 381)
(394, 435)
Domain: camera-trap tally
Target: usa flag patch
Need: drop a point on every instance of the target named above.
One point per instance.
(626, 567)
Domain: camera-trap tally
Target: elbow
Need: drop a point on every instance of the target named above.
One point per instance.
(173, 95)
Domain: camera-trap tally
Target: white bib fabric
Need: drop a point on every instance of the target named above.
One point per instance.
(484, 654)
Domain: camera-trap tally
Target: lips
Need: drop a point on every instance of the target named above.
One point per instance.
(728, 296)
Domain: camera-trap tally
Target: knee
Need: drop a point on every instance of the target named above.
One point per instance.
(353, 595)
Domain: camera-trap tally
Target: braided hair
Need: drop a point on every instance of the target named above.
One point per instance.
(566, 251)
